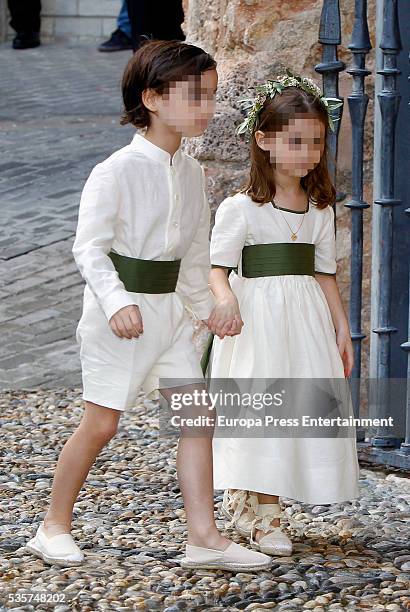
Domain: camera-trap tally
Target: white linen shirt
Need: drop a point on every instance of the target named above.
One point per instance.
(142, 203)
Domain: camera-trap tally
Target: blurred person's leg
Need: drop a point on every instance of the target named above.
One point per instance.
(120, 39)
(139, 15)
(123, 20)
(25, 20)
(159, 19)
(167, 21)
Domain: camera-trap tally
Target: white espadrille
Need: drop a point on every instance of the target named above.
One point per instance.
(59, 549)
(233, 558)
(274, 541)
(240, 507)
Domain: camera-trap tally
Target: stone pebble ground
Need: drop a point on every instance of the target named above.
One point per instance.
(129, 521)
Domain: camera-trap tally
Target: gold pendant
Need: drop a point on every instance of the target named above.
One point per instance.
(293, 236)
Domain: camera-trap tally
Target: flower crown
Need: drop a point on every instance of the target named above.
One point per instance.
(272, 87)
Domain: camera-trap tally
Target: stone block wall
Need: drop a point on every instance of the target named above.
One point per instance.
(3, 20)
(253, 40)
(73, 20)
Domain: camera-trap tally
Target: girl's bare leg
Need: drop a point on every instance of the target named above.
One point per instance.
(195, 476)
(98, 425)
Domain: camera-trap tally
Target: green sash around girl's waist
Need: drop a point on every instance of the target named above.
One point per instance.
(272, 259)
(278, 258)
(146, 275)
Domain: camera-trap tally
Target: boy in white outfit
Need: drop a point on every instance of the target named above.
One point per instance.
(142, 245)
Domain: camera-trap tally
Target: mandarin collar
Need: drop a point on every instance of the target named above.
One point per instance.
(151, 150)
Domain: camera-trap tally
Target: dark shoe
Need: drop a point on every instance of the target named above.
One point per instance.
(142, 39)
(119, 41)
(26, 40)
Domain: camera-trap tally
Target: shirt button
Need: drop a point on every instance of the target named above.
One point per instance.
(175, 224)
(176, 196)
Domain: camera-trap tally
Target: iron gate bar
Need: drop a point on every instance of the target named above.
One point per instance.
(358, 100)
(329, 68)
(389, 101)
(405, 447)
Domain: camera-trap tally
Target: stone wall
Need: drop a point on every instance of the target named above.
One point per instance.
(3, 20)
(76, 20)
(253, 40)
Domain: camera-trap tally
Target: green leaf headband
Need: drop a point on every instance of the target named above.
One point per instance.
(272, 87)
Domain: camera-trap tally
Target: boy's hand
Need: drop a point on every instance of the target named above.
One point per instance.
(225, 318)
(127, 322)
(344, 344)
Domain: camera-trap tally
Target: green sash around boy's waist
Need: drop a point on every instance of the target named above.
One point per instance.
(272, 259)
(146, 275)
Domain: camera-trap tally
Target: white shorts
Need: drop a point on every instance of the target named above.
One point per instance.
(115, 370)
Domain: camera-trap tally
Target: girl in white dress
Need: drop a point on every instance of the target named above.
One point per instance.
(280, 315)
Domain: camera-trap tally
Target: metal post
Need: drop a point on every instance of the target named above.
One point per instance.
(389, 100)
(358, 101)
(329, 68)
(405, 446)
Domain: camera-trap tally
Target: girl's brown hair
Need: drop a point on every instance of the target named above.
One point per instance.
(155, 65)
(273, 117)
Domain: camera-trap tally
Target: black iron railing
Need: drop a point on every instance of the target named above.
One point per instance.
(381, 445)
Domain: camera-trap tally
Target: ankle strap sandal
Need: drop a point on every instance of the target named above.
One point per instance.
(240, 507)
(273, 541)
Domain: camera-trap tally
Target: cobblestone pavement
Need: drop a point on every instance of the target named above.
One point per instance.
(129, 521)
(59, 116)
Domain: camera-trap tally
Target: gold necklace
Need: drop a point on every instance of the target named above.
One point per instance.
(293, 233)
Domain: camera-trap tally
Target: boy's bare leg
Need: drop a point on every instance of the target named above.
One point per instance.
(194, 465)
(98, 425)
(195, 476)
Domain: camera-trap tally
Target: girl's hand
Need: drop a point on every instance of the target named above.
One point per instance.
(127, 322)
(225, 319)
(344, 344)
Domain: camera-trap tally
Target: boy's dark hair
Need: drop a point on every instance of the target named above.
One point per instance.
(155, 65)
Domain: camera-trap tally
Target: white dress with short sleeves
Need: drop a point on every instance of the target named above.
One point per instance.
(288, 333)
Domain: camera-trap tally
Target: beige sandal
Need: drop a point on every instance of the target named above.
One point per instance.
(233, 558)
(240, 507)
(275, 542)
(59, 549)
